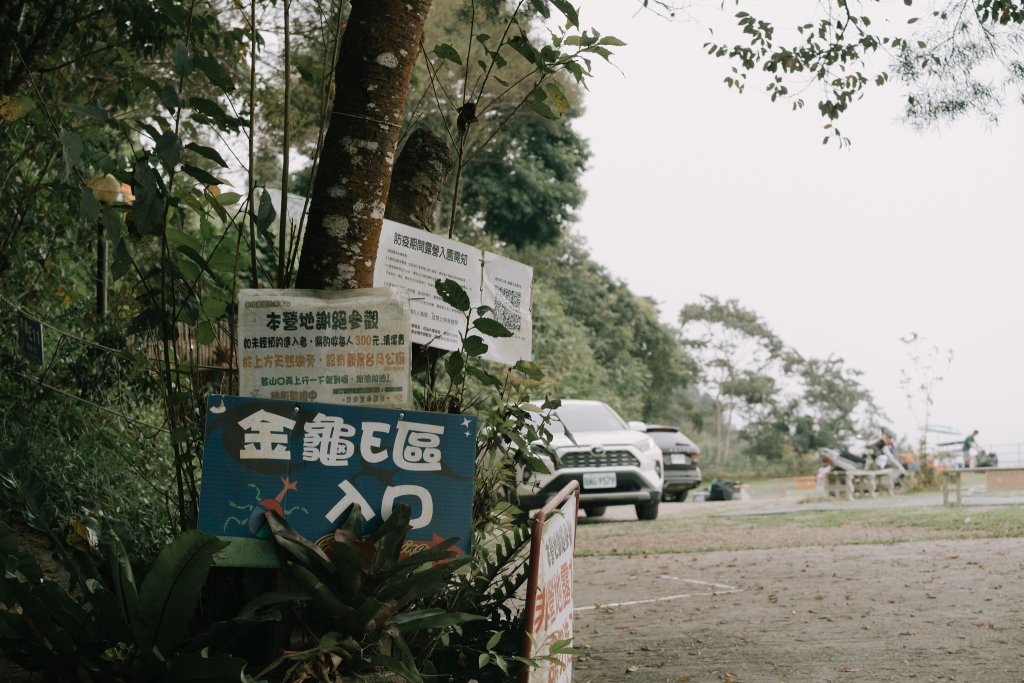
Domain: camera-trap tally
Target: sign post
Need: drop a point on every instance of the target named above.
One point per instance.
(415, 259)
(549, 602)
(348, 347)
(30, 337)
(311, 463)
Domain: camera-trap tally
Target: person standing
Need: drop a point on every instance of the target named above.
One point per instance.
(970, 458)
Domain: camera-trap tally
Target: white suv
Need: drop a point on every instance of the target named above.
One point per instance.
(613, 464)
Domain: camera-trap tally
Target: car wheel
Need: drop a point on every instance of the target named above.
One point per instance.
(647, 511)
(597, 511)
(681, 496)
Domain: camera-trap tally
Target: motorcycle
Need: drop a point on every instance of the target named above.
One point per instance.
(987, 459)
(858, 454)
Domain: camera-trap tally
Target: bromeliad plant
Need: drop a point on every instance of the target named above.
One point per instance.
(366, 597)
(108, 626)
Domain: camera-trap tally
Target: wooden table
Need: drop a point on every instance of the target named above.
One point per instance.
(996, 479)
(844, 483)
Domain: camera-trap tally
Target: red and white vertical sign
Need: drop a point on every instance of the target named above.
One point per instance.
(549, 602)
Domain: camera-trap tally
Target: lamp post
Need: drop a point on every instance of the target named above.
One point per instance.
(106, 190)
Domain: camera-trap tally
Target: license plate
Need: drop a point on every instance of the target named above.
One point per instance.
(599, 480)
(679, 459)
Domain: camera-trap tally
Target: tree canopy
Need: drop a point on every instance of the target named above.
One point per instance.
(960, 58)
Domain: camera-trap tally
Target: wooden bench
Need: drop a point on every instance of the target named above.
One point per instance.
(845, 483)
(996, 479)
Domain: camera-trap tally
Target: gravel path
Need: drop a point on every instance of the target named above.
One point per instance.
(946, 610)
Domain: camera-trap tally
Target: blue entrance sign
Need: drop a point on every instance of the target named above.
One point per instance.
(311, 462)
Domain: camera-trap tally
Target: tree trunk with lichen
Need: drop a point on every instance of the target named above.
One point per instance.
(418, 179)
(375, 65)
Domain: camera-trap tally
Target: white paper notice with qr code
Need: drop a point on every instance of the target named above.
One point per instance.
(415, 259)
(506, 287)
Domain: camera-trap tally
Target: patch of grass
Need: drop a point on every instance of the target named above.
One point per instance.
(704, 532)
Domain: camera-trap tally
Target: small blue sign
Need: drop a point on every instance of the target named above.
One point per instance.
(311, 462)
(30, 337)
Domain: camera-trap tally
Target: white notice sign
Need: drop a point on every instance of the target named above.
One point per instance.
(350, 347)
(552, 601)
(415, 259)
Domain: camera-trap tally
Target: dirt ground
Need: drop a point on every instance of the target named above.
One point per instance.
(939, 610)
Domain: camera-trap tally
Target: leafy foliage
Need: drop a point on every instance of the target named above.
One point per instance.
(956, 59)
(110, 627)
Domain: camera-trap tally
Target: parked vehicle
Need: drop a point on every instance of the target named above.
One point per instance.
(987, 459)
(679, 454)
(614, 464)
(857, 454)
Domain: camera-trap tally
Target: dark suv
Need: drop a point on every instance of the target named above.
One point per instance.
(680, 456)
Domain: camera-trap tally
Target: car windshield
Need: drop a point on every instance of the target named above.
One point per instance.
(587, 417)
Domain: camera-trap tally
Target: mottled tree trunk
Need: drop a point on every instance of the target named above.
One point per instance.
(375, 64)
(418, 179)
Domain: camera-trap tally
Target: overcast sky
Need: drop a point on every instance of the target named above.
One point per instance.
(694, 189)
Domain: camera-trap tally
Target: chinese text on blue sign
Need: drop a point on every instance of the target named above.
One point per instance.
(312, 462)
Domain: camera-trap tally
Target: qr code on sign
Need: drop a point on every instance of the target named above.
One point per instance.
(506, 308)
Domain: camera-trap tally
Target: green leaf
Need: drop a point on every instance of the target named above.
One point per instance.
(491, 327)
(122, 261)
(204, 332)
(169, 95)
(172, 589)
(215, 72)
(452, 293)
(266, 214)
(89, 110)
(182, 60)
(300, 549)
(521, 45)
(168, 148)
(176, 237)
(474, 346)
(529, 369)
(207, 152)
(541, 108)
(122, 575)
(71, 145)
(434, 617)
(208, 111)
(205, 177)
(114, 227)
(455, 365)
(149, 202)
(223, 259)
(541, 7)
(228, 198)
(568, 10)
(13, 107)
(611, 40)
(557, 96)
(446, 51)
(89, 207)
(484, 377)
